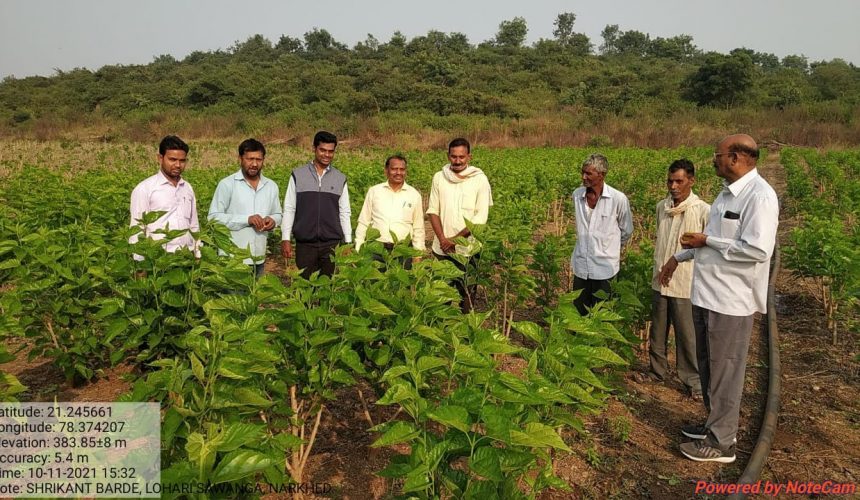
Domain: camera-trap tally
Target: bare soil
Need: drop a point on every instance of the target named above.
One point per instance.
(630, 450)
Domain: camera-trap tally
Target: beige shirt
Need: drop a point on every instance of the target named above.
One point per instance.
(457, 199)
(691, 216)
(387, 210)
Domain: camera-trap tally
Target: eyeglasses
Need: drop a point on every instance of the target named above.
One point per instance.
(717, 155)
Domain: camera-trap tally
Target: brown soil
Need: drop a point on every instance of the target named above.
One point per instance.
(631, 449)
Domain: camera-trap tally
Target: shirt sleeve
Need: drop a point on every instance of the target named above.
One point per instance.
(194, 227)
(220, 204)
(275, 205)
(364, 219)
(757, 234)
(482, 203)
(625, 220)
(418, 223)
(433, 203)
(289, 215)
(139, 205)
(685, 255)
(345, 214)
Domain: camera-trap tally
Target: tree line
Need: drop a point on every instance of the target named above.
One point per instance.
(316, 77)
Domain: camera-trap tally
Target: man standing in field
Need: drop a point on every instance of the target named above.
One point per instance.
(316, 210)
(393, 207)
(248, 203)
(459, 193)
(167, 191)
(730, 276)
(681, 212)
(604, 224)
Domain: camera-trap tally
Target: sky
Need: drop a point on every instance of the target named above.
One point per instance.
(39, 37)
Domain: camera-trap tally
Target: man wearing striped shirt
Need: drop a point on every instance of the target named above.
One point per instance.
(394, 208)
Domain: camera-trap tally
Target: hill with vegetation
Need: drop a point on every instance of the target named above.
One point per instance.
(631, 89)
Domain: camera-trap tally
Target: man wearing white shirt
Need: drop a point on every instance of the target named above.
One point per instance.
(730, 277)
(393, 207)
(168, 192)
(604, 224)
(316, 210)
(248, 203)
(460, 192)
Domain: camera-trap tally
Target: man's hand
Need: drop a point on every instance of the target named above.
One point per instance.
(668, 270)
(287, 249)
(256, 221)
(268, 224)
(693, 240)
(447, 245)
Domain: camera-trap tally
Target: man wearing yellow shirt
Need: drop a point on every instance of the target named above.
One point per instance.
(393, 207)
(459, 192)
(681, 212)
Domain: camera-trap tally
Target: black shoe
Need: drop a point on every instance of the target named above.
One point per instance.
(695, 431)
(703, 450)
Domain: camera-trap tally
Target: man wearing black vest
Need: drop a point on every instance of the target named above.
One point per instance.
(316, 210)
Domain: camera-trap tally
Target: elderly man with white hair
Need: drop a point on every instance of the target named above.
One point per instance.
(603, 225)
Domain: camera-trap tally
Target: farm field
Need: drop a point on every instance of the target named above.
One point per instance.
(395, 390)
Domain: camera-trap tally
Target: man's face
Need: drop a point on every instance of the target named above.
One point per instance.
(252, 164)
(722, 160)
(680, 185)
(395, 172)
(173, 163)
(324, 153)
(591, 177)
(459, 158)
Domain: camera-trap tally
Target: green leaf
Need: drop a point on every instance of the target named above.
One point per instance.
(251, 397)
(451, 416)
(538, 435)
(351, 359)
(529, 330)
(237, 435)
(485, 463)
(197, 367)
(481, 490)
(341, 376)
(200, 454)
(394, 372)
(377, 307)
(429, 362)
(397, 432)
(600, 354)
(238, 464)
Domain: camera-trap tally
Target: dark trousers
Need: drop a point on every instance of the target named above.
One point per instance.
(722, 344)
(467, 293)
(678, 313)
(259, 270)
(313, 257)
(586, 299)
(406, 262)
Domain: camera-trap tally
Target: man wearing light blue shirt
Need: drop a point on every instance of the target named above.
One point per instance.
(603, 226)
(248, 203)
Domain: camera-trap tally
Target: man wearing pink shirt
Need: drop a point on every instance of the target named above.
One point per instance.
(168, 192)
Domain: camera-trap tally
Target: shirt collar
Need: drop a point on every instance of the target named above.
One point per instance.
(603, 194)
(404, 187)
(162, 179)
(314, 168)
(739, 185)
(238, 176)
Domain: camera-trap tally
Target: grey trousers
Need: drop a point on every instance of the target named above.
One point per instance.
(722, 344)
(677, 312)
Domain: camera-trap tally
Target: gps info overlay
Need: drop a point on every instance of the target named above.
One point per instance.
(79, 449)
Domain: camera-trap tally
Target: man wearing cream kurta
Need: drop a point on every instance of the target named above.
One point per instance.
(681, 212)
(393, 207)
(459, 192)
